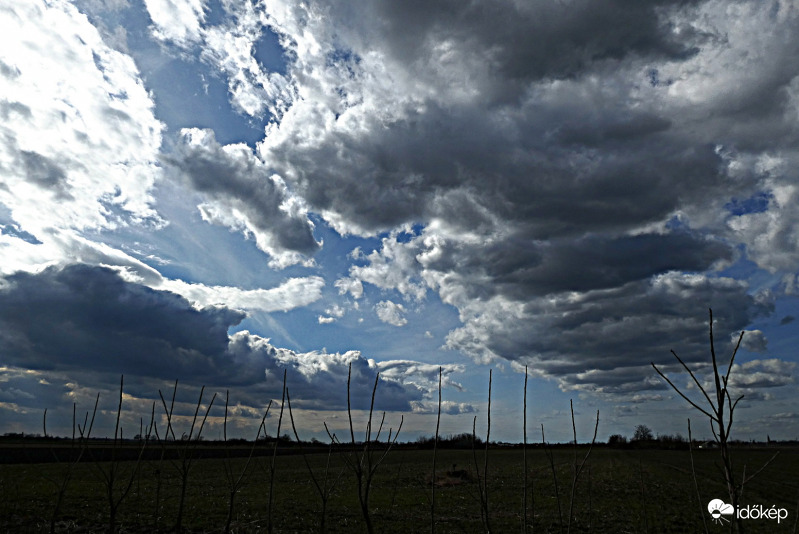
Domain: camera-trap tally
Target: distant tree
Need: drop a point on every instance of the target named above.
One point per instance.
(617, 440)
(676, 441)
(643, 433)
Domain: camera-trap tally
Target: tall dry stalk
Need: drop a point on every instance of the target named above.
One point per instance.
(578, 469)
(364, 464)
(482, 481)
(435, 447)
(550, 456)
(720, 412)
(187, 449)
(160, 465)
(524, 456)
(116, 495)
(273, 466)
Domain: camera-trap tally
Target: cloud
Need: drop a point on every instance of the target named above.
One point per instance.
(756, 374)
(603, 340)
(755, 380)
(90, 325)
(179, 21)
(349, 285)
(772, 234)
(591, 313)
(244, 196)
(293, 293)
(393, 266)
(447, 407)
(577, 195)
(753, 340)
(646, 398)
(78, 141)
(333, 313)
(421, 374)
(231, 47)
(520, 267)
(588, 129)
(88, 318)
(572, 178)
(391, 313)
(458, 105)
(784, 416)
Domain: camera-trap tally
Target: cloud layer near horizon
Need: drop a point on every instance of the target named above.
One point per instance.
(89, 323)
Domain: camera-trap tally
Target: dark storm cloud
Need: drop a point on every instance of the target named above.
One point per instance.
(570, 163)
(624, 113)
(530, 41)
(86, 324)
(88, 318)
(534, 160)
(521, 269)
(236, 180)
(604, 340)
(452, 160)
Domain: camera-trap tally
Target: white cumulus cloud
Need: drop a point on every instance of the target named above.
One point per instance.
(391, 313)
(179, 21)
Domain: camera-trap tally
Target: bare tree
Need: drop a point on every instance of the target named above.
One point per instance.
(364, 464)
(719, 411)
(187, 448)
(326, 487)
(236, 482)
(116, 493)
(643, 433)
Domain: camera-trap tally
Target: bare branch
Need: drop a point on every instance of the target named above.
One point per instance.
(675, 388)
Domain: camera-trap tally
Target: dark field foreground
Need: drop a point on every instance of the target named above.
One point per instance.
(633, 491)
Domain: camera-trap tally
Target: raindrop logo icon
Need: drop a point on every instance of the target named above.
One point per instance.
(718, 509)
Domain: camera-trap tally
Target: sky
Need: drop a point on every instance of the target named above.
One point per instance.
(221, 191)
